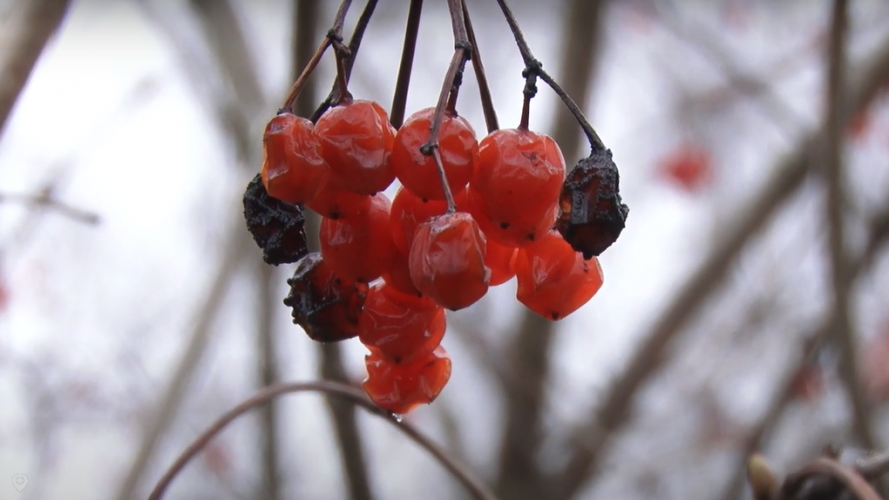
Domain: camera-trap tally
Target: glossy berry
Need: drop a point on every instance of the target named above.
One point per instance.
(292, 168)
(501, 261)
(447, 261)
(399, 332)
(359, 247)
(333, 202)
(553, 279)
(401, 287)
(516, 185)
(326, 306)
(592, 213)
(417, 172)
(408, 212)
(276, 226)
(356, 139)
(399, 388)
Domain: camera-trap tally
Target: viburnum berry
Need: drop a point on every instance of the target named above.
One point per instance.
(277, 227)
(417, 172)
(409, 211)
(447, 261)
(356, 140)
(501, 261)
(553, 279)
(325, 305)
(359, 247)
(516, 185)
(592, 213)
(401, 287)
(396, 331)
(333, 202)
(401, 387)
(292, 168)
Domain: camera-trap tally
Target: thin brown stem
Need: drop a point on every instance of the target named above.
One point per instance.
(45, 200)
(480, 76)
(846, 475)
(472, 483)
(335, 35)
(342, 75)
(402, 83)
(449, 197)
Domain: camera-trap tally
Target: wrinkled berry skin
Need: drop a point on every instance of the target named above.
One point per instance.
(277, 227)
(592, 214)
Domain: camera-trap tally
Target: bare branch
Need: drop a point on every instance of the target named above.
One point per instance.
(44, 199)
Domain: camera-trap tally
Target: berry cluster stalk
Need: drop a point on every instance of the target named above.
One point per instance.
(462, 53)
(334, 35)
(534, 67)
(479, 69)
(399, 100)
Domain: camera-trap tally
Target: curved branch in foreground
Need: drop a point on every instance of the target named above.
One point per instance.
(354, 396)
(852, 480)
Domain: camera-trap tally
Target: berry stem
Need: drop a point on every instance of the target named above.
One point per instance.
(342, 74)
(399, 100)
(453, 78)
(534, 67)
(449, 197)
(334, 35)
(354, 396)
(354, 45)
(483, 88)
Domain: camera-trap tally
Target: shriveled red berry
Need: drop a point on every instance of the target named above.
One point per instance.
(447, 261)
(333, 202)
(408, 212)
(356, 140)
(592, 213)
(399, 332)
(401, 287)
(359, 246)
(292, 168)
(516, 185)
(501, 261)
(399, 388)
(326, 306)
(417, 172)
(553, 279)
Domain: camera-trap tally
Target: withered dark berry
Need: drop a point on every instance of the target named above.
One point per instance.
(276, 226)
(326, 306)
(592, 214)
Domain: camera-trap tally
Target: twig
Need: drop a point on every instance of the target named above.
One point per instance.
(844, 334)
(269, 373)
(354, 45)
(480, 76)
(335, 35)
(594, 435)
(402, 83)
(533, 66)
(24, 33)
(45, 200)
(846, 475)
(354, 396)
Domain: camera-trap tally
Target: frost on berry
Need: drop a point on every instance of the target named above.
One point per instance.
(276, 226)
(324, 305)
(592, 214)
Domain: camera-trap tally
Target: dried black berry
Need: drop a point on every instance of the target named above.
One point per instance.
(324, 305)
(592, 215)
(276, 226)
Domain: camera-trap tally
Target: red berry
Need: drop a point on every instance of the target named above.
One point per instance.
(400, 388)
(447, 261)
(408, 212)
(516, 185)
(399, 332)
(417, 172)
(333, 202)
(292, 168)
(501, 261)
(690, 167)
(401, 287)
(326, 306)
(359, 247)
(553, 279)
(356, 139)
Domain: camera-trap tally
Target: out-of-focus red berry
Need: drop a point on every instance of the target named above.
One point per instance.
(689, 167)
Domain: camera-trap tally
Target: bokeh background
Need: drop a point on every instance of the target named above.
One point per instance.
(135, 309)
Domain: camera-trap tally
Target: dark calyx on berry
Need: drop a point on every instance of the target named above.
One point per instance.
(276, 226)
(592, 215)
(324, 305)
